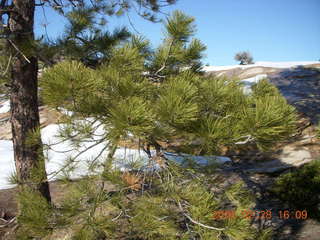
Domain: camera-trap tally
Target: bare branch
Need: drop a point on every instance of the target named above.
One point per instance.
(19, 51)
(198, 223)
(249, 139)
(8, 65)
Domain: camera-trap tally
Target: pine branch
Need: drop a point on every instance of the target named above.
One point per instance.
(166, 59)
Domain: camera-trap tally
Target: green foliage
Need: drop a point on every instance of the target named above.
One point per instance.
(180, 26)
(153, 213)
(64, 83)
(269, 119)
(264, 89)
(5, 61)
(177, 104)
(123, 95)
(36, 215)
(300, 188)
(85, 38)
(152, 95)
(179, 50)
(108, 210)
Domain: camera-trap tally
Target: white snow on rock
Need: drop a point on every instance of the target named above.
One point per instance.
(125, 158)
(248, 82)
(5, 107)
(202, 160)
(260, 64)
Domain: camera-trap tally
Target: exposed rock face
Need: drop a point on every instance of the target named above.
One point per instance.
(301, 87)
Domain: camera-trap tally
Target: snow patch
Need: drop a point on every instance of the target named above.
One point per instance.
(260, 64)
(5, 107)
(202, 160)
(6, 163)
(248, 82)
(58, 153)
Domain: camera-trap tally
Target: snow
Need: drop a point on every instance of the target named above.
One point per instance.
(248, 82)
(125, 158)
(6, 163)
(66, 112)
(260, 64)
(5, 107)
(202, 160)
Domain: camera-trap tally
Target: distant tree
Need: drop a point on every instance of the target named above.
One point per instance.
(244, 58)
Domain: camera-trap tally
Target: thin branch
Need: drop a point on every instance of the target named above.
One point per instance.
(114, 219)
(249, 139)
(8, 65)
(55, 173)
(198, 223)
(165, 61)
(19, 51)
(92, 162)
(131, 24)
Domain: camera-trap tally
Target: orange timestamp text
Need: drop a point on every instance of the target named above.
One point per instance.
(259, 214)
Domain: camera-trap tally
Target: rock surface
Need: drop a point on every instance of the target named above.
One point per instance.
(301, 87)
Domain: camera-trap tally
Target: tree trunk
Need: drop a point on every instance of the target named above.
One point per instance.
(28, 152)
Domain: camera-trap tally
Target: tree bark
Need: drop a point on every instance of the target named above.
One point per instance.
(27, 144)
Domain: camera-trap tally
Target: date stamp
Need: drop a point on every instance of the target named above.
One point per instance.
(260, 214)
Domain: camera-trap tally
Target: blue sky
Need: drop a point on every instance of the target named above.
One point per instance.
(272, 30)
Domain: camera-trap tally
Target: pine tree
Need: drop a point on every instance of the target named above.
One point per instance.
(152, 96)
(17, 28)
